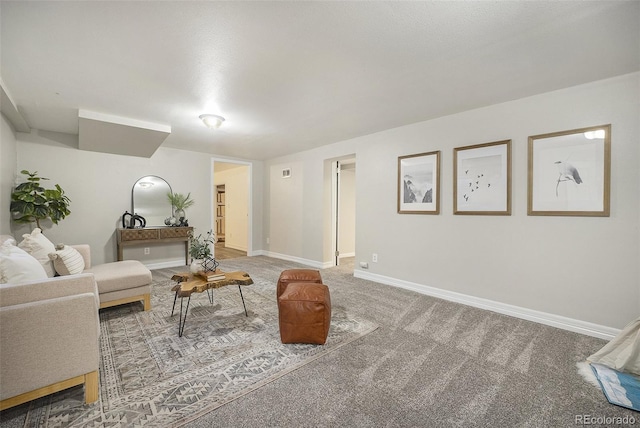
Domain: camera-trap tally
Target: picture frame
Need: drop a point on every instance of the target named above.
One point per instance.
(482, 179)
(419, 183)
(569, 173)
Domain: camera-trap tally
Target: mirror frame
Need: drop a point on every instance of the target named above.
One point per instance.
(582, 187)
(155, 219)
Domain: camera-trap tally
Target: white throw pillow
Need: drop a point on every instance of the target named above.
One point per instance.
(4, 238)
(16, 265)
(39, 247)
(67, 260)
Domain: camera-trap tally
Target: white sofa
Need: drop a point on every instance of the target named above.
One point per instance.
(118, 282)
(49, 338)
(49, 327)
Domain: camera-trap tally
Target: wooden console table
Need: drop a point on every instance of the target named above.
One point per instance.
(153, 235)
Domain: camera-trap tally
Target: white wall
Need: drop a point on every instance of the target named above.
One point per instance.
(286, 216)
(236, 181)
(517, 260)
(99, 185)
(8, 158)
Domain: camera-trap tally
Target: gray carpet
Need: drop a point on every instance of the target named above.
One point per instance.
(431, 363)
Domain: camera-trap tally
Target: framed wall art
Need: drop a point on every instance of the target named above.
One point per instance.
(570, 172)
(419, 183)
(482, 179)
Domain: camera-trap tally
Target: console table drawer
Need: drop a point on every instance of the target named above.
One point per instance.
(138, 234)
(153, 236)
(175, 232)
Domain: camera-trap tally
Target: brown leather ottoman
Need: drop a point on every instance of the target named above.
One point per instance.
(304, 311)
(297, 275)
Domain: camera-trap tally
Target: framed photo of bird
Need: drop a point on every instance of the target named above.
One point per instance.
(419, 183)
(482, 179)
(570, 172)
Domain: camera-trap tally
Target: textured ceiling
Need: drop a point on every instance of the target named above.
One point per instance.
(290, 76)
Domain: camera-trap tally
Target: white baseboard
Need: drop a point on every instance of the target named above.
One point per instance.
(234, 247)
(570, 324)
(565, 323)
(168, 264)
(345, 255)
(311, 263)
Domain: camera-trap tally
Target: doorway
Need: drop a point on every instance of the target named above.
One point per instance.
(344, 215)
(231, 208)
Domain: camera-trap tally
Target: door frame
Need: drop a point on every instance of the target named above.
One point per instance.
(212, 191)
(335, 205)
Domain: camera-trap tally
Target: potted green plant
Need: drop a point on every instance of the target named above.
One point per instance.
(200, 249)
(180, 202)
(30, 202)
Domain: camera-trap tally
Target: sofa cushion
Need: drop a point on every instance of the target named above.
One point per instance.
(120, 275)
(17, 266)
(39, 246)
(67, 260)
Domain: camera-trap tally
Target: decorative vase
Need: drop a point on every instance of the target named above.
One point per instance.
(196, 265)
(179, 214)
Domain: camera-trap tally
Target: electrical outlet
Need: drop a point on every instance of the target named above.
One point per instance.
(147, 250)
(267, 240)
(374, 257)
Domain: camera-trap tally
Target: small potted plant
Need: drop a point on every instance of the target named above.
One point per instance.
(200, 249)
(180, 202)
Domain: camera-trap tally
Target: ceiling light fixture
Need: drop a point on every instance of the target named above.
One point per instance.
(212, 120)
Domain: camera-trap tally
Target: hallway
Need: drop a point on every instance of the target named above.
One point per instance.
(221, 252)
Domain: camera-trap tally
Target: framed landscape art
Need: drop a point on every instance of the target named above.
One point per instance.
(569, 172)
(482, 179)
(419, 183)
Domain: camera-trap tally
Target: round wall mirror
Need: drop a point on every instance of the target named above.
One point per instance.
(149, 199)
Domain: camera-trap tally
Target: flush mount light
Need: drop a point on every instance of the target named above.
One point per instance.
(212, 120)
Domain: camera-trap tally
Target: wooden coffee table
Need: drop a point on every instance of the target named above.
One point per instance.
(188, 284)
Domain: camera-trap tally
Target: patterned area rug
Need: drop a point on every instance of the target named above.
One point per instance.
(149, 376)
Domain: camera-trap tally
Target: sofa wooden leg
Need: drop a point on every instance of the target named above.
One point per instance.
(144, 298)
(91, 386)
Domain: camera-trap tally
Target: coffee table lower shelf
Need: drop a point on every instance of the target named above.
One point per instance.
(187, 284)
